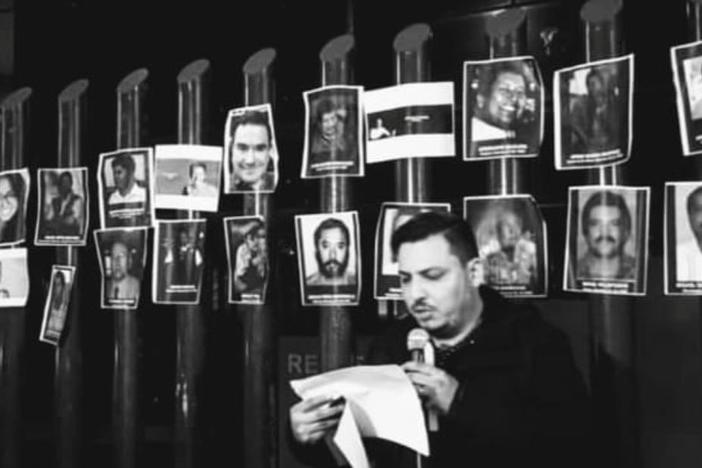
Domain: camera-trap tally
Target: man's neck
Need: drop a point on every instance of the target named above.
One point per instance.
(608, 266)
(127, 189)
(475, 317)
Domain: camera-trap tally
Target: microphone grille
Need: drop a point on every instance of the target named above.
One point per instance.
(417, 338)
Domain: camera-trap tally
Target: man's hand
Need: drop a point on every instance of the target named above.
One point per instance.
(312, 419)
(434, 386)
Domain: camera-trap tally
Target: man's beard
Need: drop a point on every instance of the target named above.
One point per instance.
(325, 268)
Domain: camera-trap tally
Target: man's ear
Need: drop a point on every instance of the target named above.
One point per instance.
(476, 271)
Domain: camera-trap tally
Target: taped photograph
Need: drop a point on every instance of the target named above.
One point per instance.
(687, 77)
(56, 304)
(512, 241)
(329, 259)
(125, 183)
(121, 253)
(683, 238)
(14, 277)
(251, 152)
(607, 240)
(333, 132)
(14, 191)
(188, 177)
(503, 108)
(592, 105)
(178, 261)
(392, 216)
(62, 206)
(413, 120)
(247, 255)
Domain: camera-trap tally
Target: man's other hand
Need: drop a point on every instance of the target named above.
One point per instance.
(312, 419)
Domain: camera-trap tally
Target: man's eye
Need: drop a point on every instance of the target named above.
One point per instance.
(434, 275)
(261, 147)
(404, 279)
(241, 147)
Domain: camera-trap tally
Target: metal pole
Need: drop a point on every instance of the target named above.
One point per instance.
(125, 379)
(611, 317)
(68, 377)
(14, 122)
(260, 447)
(190, 343)
(507, 35)
(335, 328)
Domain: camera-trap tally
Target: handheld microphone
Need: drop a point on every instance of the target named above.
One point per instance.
(421, 350)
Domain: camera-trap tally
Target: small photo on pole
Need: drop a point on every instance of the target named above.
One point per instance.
(392, 216)
(247, 255)
(687, 76)
(412, 120)
(125, 185)
(122, 256)
(503, 108)
(14, 190)
(56, 304)
(512, 242)
(250, 150)
(333, 132)
(592, 105)
(329, 259)
(14, 277)
(607, 240)
(188, 177)
(62, 206)
(683, 238)
(178, 261)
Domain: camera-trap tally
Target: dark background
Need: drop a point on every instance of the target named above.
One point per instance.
(47, 45)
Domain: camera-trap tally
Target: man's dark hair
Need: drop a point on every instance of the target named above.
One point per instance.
(124, 160)
(197, 164)
(691, 199)
(455, 230)
(256, 225)
(606, 198)
(331, 223)
(252, 118)
(66, 174)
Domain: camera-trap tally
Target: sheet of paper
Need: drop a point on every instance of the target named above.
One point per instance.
(381, 402)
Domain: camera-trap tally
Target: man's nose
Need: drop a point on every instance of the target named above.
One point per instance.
(333, 254)
(414, 290)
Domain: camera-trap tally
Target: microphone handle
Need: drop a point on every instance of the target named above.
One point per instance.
(417, 355)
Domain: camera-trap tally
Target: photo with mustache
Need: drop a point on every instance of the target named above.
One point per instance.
(331, 268)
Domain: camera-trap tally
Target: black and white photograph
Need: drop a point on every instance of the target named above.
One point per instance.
(607, 240)
(250, 150)
(392, 216)
(247, 257)
(14, 277)
(178, 261)
(121, 254)
(188, 177)
(687, 77)
(412, 120)
(683, 238)
(62, 206)
(503, 108)
(56, 304)
(14, 191)
(125, 188)
(333, 132)
(512, 242)
(329, 259)
(592, 105)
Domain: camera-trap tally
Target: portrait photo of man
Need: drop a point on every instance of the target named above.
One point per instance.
(63, 207)
(610, 239)
(503, 112)
(187, 177)
(511, 236)
(683, 238)
(333, 132)
(328, 255)
(247, 253)
(56, 305)
(592, 105)
(124, 179)
(178, 261)
(686, 61)
(251, 154)
(392, 216)
(14, 277)
(122, 256)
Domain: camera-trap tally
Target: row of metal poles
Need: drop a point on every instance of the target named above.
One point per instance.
(610, 317)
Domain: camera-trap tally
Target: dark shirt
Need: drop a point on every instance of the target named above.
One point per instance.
(520, 402)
